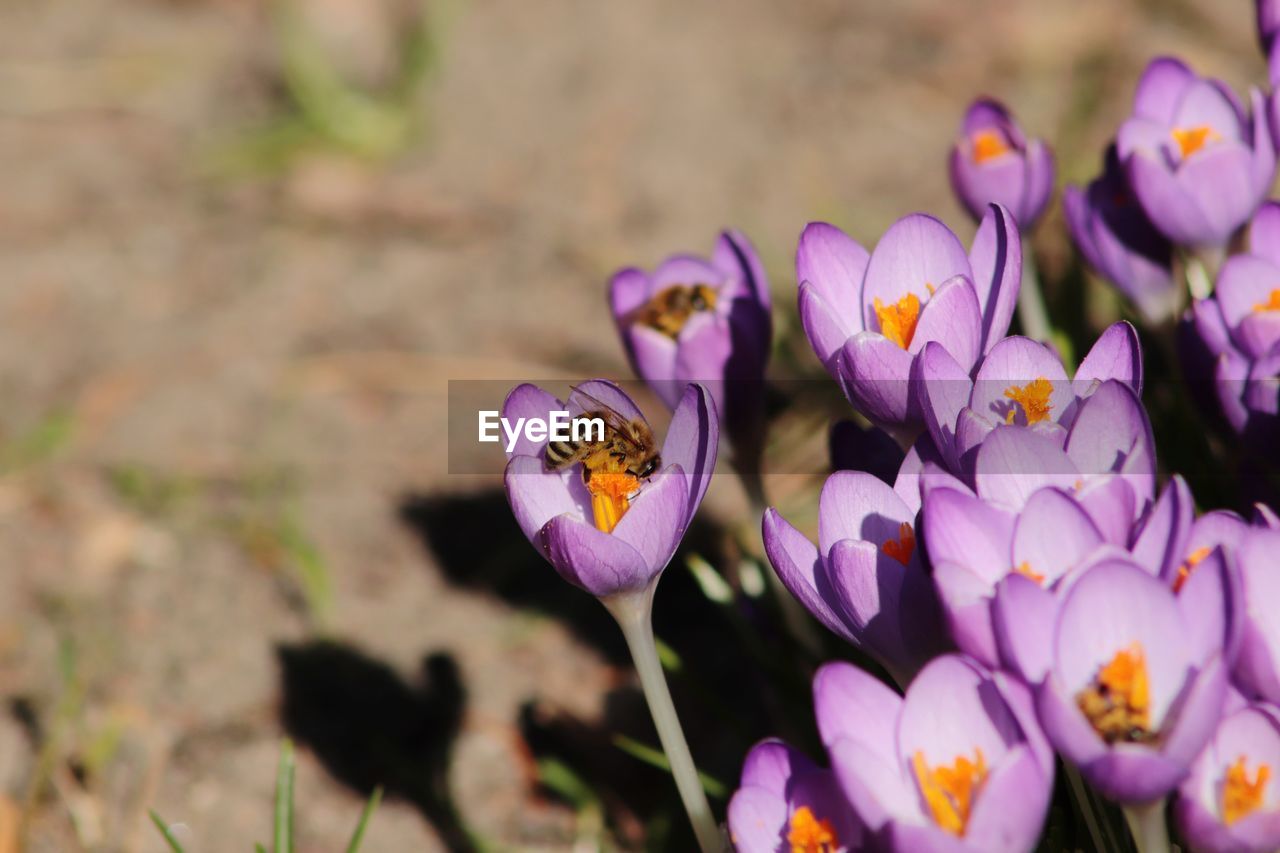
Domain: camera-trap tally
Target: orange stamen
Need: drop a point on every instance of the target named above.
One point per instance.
(902, 547)
(1033, 398)
(1240, 797)
(949, 792)
(1192, 139)
(1024, 569)
(898, 320)
(988, 145)
(808, 834)
(1118, 703)
(1188, 566)
(1272, 303)
(611, 497)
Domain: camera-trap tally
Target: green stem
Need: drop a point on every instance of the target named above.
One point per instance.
(1081, 796)
(633, 611)
(1146, 822)
(1032, 313)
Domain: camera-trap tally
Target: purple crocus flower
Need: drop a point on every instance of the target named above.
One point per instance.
(1115, 236)
(1198, 162)
(868, 316)
(786, 803)
(701, 320)
(992, 162)
(957, 764)
(1268, 17)
(1135, 688)
(1230, 803)
(1020, 382)
(617, 533)
(1234, 335)
(865, 579)
(1257, 669)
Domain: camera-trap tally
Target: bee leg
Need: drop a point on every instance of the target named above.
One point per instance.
(586, 475)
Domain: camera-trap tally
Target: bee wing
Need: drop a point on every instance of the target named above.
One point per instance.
(612, 417)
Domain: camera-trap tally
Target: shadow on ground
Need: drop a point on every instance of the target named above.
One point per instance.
(725, 698)
(370, 728)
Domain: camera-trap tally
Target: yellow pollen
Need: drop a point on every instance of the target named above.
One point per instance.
(902, 547)
(950, 791)
(1118, 702)
(610, 497)
(1188, 566)
(1240, 797)
(1192, 139)
(898, 320)
(1024, 569)
(987, 145)
(807, 834)
(1033, 398)
(1272, 303)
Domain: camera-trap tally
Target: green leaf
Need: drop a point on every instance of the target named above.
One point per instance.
(173, 843)
(656, 758)
(369, 808)
(284, 800)
(566, 783)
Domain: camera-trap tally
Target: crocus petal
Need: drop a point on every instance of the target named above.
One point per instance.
(834, 265)
(655, 523)
(1161, 88)
(823, 325)
(1117, 354)
(684, 270)
(953, 707)
(1231, 374)
(917, 251)
(587, 396)
(537, 495)
(757, 820)
(962, 529)
(856, 505)
(691, 443)
(849, 703)
(706, 346)
(600, 563)
(1220, 181)
(966, 601)
(874, 374)
(1264, 232)
(1134, 774)
(737, 258)
(628, 290)
(1110, 501)
(953, 318)
(653, 356)
(1197, 715)
(1243, 282)
(1010, 809)
(996, 258)
(1015, 362)
(529, 402)
(1039, 185)
(1112, 434)
(796, 561)
(1207, 601)
(770, 765)
(1022, 616)
(1162, 536)
(942, 387)
(1001, 180)
(1053, 534)
(873, 785)
(1013, 462)
(1263, 172)
(1167, 203)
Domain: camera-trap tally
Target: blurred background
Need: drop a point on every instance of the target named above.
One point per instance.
(246, 246)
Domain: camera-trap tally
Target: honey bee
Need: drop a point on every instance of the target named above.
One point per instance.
(671, 308)
(628, 446)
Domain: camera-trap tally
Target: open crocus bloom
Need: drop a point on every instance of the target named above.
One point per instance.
(1236, 333)
(1020, 382)
(1257, 670)
(567, 520)
(994, 163)
(986, 557)
(787, 804)
(1231, 801)
(1197, 161)
(865, 579)
(952, 766)
(868, 316)
(1135, 688)
(1115, 236)
(700, 320)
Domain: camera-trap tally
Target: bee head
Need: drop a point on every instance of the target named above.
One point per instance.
(648, 467)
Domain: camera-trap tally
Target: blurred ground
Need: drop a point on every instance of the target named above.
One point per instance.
(223, 394)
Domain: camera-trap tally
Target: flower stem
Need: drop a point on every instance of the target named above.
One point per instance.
(1081, 795)
(633, 611)
(1032, 313)
(1146, 822)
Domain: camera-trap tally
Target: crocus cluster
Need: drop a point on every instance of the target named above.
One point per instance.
(997, 541)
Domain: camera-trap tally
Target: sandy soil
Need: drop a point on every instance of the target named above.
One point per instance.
(212, 384)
